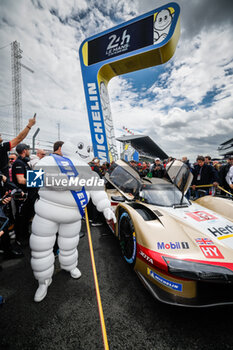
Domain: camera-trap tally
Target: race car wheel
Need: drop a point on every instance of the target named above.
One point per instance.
(127, 238)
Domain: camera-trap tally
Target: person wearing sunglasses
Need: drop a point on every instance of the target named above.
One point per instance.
(12, 159)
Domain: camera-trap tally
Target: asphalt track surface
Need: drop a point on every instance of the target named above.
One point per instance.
(68, 317)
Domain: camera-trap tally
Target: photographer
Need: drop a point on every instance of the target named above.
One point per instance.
(9, 251)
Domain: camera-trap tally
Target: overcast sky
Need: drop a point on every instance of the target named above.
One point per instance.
(185, 105)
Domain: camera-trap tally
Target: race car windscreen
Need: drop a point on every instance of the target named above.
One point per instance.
(124, 180)
(166, 195)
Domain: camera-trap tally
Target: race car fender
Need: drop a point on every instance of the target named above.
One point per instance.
(221, 206)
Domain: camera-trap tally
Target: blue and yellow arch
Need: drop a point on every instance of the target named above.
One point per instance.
(142, 42)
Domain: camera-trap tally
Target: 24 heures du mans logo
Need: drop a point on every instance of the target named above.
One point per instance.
(118, 44)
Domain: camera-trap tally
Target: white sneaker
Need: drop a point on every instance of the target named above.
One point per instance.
(96, 224)
(75, 273)
(41, 291)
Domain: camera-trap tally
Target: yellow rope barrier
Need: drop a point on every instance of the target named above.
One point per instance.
(223, 189)
(211, 185)
(101, 314)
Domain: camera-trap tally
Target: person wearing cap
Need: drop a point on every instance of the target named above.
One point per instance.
(96, 166)
(226, 175)
(5, 147)
(142, 169)
(157, 169)
(24, 208)
(20, 166)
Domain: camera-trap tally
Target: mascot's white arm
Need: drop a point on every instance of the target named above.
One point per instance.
(102, 203)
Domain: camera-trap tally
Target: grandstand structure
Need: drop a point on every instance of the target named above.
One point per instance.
(226, 148)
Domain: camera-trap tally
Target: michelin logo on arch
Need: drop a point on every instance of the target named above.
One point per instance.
(38, 178)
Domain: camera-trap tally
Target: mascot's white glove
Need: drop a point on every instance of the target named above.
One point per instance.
(109, 215)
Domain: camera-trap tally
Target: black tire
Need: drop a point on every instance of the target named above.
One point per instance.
(127, 238)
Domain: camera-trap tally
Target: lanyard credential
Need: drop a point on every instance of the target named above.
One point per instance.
(199, 174)
(67, 167)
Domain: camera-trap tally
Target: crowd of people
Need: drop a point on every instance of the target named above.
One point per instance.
(216, 175)
(17, 200)
(209, 176)
(13, 191)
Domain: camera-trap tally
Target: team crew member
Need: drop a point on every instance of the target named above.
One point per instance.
(12, 159)
(20, 166)
(7, 146)
(204, 174)
(24, 208)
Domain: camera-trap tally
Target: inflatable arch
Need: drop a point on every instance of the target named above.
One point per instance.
(142, 42)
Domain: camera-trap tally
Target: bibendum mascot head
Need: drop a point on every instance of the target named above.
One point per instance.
(80, 147)
(162, 24)
(163, 19)
(68, 149)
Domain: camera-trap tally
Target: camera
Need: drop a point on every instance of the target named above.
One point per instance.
(18, 194)
(4, 197)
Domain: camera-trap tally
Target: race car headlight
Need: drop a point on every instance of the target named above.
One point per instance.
(198, 271)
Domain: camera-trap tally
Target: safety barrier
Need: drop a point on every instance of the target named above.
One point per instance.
(212, 185)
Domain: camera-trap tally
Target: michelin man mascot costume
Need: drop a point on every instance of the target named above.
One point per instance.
(60, 210)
